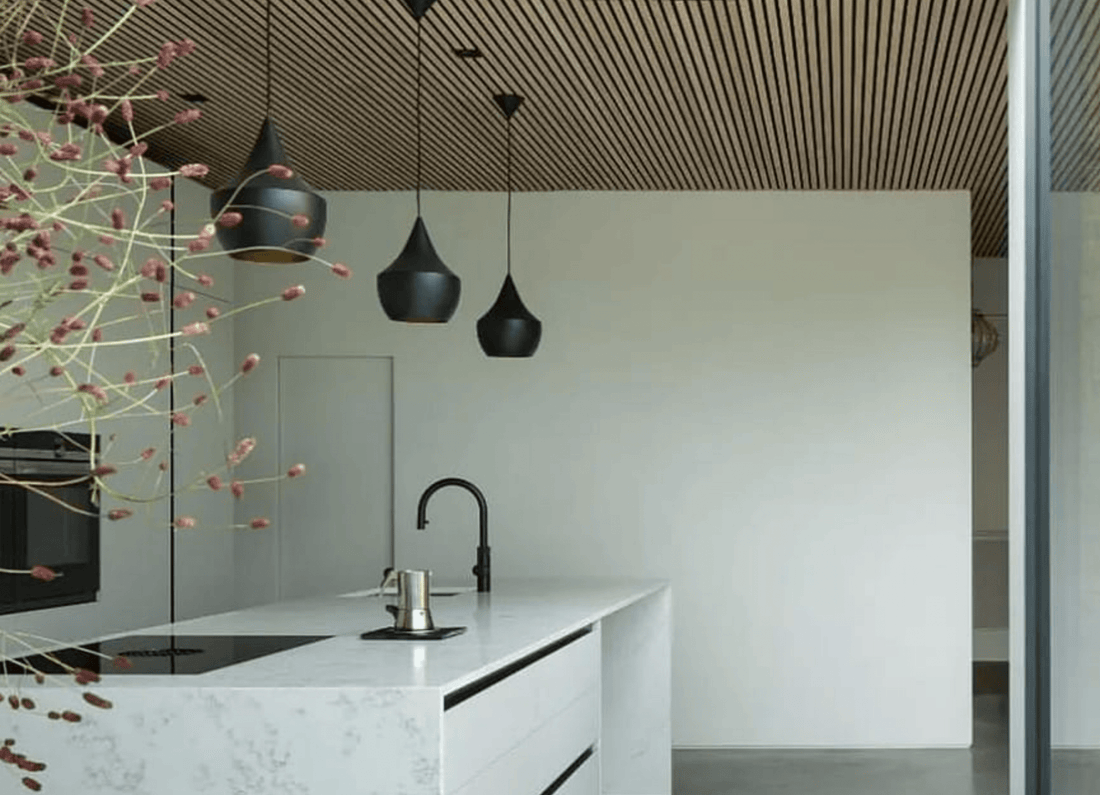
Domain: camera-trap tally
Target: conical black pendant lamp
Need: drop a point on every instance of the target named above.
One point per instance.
(508, 328)
(417, 287)
(267, 204)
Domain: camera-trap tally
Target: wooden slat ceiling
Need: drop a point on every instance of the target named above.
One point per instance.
(621, 94)
(1075, 95)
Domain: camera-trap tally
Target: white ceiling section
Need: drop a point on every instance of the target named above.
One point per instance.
(621, 94)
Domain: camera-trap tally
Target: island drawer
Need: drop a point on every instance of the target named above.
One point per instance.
(539, 717)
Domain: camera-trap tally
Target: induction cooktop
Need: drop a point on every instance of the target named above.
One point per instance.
(164, 654)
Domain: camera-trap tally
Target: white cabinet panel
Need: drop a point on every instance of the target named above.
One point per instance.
(492, 723)
(533, 765)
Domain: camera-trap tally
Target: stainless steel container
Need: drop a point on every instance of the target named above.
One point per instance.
(412, 612)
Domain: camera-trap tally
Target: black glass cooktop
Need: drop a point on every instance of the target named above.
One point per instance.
(166, 654)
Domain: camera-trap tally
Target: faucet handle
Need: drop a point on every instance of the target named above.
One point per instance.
(388, 576)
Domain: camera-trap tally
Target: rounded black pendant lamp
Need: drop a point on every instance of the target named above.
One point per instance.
(508, 328)
(268, 203)
(417, 287)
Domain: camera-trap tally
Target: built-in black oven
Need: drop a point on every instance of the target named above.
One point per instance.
(48, 516)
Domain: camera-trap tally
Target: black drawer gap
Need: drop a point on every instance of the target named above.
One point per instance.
(456, 697)
(569, 771)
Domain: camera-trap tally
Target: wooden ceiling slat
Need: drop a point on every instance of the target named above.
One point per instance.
(707, 35)
(705, 91)
(627, 94)
(745, 44)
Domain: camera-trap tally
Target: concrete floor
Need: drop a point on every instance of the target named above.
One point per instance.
(982, 770)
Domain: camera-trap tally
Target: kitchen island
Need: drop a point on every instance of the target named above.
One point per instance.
(556, 686)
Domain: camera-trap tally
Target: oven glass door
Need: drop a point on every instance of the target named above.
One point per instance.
(48, 519)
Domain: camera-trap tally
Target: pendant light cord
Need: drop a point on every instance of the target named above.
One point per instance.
(508, 160)
(419, 158)
(268, 39)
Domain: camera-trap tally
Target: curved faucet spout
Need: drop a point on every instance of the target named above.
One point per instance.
(481, 570)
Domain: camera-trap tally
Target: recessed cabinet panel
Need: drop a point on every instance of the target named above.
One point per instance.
(488, 726)
(543, 756)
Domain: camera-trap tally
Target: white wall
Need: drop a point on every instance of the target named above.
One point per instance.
(990, 464)
(764, 397)
(1075, 471)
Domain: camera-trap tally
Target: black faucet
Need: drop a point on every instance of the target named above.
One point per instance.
(481, 570)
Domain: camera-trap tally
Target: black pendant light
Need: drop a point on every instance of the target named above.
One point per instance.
(269, 204)
(417, 287)
(508, 328)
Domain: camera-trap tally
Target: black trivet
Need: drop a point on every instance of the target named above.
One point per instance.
(392, 633)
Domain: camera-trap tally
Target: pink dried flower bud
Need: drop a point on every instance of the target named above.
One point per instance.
(126, 108)
(186, 46)
(299, 220)
(167, 206)
(161, 384)
(280, 171)
(122, 663)
(119, 513)
(194, 170)
(205, 280)
(39, 62)
(149, 269)
(213, 313)
(78, 270)
(76, 285)
(168, 52)
(130, 377)
(148, 453)
(68, 81)
(31, 783)
(32, 37)
(290, 293)
(56, 370)
(259, 523)
(83, 676)
(195, 369)
(87, 18)
(43, 573)
(90, 61)
(163, 466)
(320, 242)
(7, 352)
(181, 419)
(184, 522)
(185, 116)
(191, 329)
(96, 701)
(103, 262)
(237, 488)
(70, 716)
(106, 240)
(78, 255)
(18, 370)
(198, 244)
(103, 470)
(118, 218)
(68, 151)
(341, 270)
(227, 220)
(27, 703)
(160, 183)
(199, 399)
(97, 335)
(214, 482)
(250, 362)
(162, 95)
(98, 392)
(150, 298)
(296, 470)
(183, 300)
(30, 174)
(11, 149)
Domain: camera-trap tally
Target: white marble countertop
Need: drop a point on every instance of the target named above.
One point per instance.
(517, 617)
